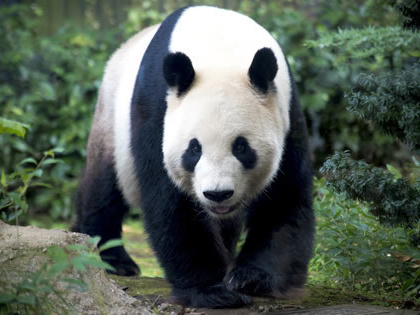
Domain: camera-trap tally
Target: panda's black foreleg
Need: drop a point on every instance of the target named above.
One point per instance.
(279, 244)
(185, 243)
(278, 268)
(101, 212)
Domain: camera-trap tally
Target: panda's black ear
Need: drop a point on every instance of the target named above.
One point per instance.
(263, 69)
(178, 71)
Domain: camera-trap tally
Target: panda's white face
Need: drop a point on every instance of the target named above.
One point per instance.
(222, 141)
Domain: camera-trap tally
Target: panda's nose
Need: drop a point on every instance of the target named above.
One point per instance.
(218, 195)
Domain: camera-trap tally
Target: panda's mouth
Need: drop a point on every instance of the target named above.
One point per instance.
(223, 210)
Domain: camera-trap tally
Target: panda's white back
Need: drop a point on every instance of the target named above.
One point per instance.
(115, 97)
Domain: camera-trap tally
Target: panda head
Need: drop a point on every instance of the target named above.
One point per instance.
(223, 131)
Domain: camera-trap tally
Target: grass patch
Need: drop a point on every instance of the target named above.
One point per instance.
(135, 240)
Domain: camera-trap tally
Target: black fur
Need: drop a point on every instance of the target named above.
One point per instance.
(263, 69)
(101, 209)
(244, 153)
(192, 155)
(178, 71)
(195, 251)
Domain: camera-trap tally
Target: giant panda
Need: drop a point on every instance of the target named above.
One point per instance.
(198, 122)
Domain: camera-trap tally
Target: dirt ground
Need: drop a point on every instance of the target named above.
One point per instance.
(21, 257)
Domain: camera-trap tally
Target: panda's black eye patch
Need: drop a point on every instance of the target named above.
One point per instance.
(192, 155)
(244, 153)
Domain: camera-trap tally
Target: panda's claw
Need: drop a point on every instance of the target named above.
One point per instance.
(252, 281)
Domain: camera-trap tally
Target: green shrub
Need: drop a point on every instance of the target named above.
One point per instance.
(50, 83)
(354, 251)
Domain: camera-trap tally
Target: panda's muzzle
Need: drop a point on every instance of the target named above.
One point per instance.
(218, 195)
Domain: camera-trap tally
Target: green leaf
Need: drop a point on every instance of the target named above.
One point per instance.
(78, 263)
(29, 299)
(52, 161)
(416, 161)
(52, 151)
(13, 127)
(111, 244)
(57, 253)
(29, 160)
(77, 247)
(107, 266)
(94, 241)
(99, 264)
(41, 184)
(3, 178)
(47, 91)
(7, 298)
(14, 215)
(394, 171)
(57, 268)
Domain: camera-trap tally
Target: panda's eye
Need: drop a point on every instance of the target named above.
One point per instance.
(196, 148)
(239, 147)
(244, 153)
(192, 155)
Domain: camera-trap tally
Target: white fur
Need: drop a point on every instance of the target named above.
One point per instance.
(120, 76)
(221, 105)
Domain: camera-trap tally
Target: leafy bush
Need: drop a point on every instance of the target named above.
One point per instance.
(390, 101)
(354, 251)
(14, 186)
(389, 97)
(50, 83)
(394, 200)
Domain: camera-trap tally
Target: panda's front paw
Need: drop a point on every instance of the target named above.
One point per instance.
(118, 258)
(252, 280)
(216, 296)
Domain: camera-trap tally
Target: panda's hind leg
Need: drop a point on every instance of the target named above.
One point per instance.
(101, 212)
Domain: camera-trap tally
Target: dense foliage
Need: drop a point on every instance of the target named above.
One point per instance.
(390, 98)
(354, 251)
(394, 200)
(50, 83)
(391, 101)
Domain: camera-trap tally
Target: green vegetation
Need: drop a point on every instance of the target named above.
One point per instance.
(357, 72)
(135, 241)
(389, 97)
(43, 291)
(354, 251)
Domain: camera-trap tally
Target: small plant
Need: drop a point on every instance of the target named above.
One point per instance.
(14, 186)
(44, 291)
